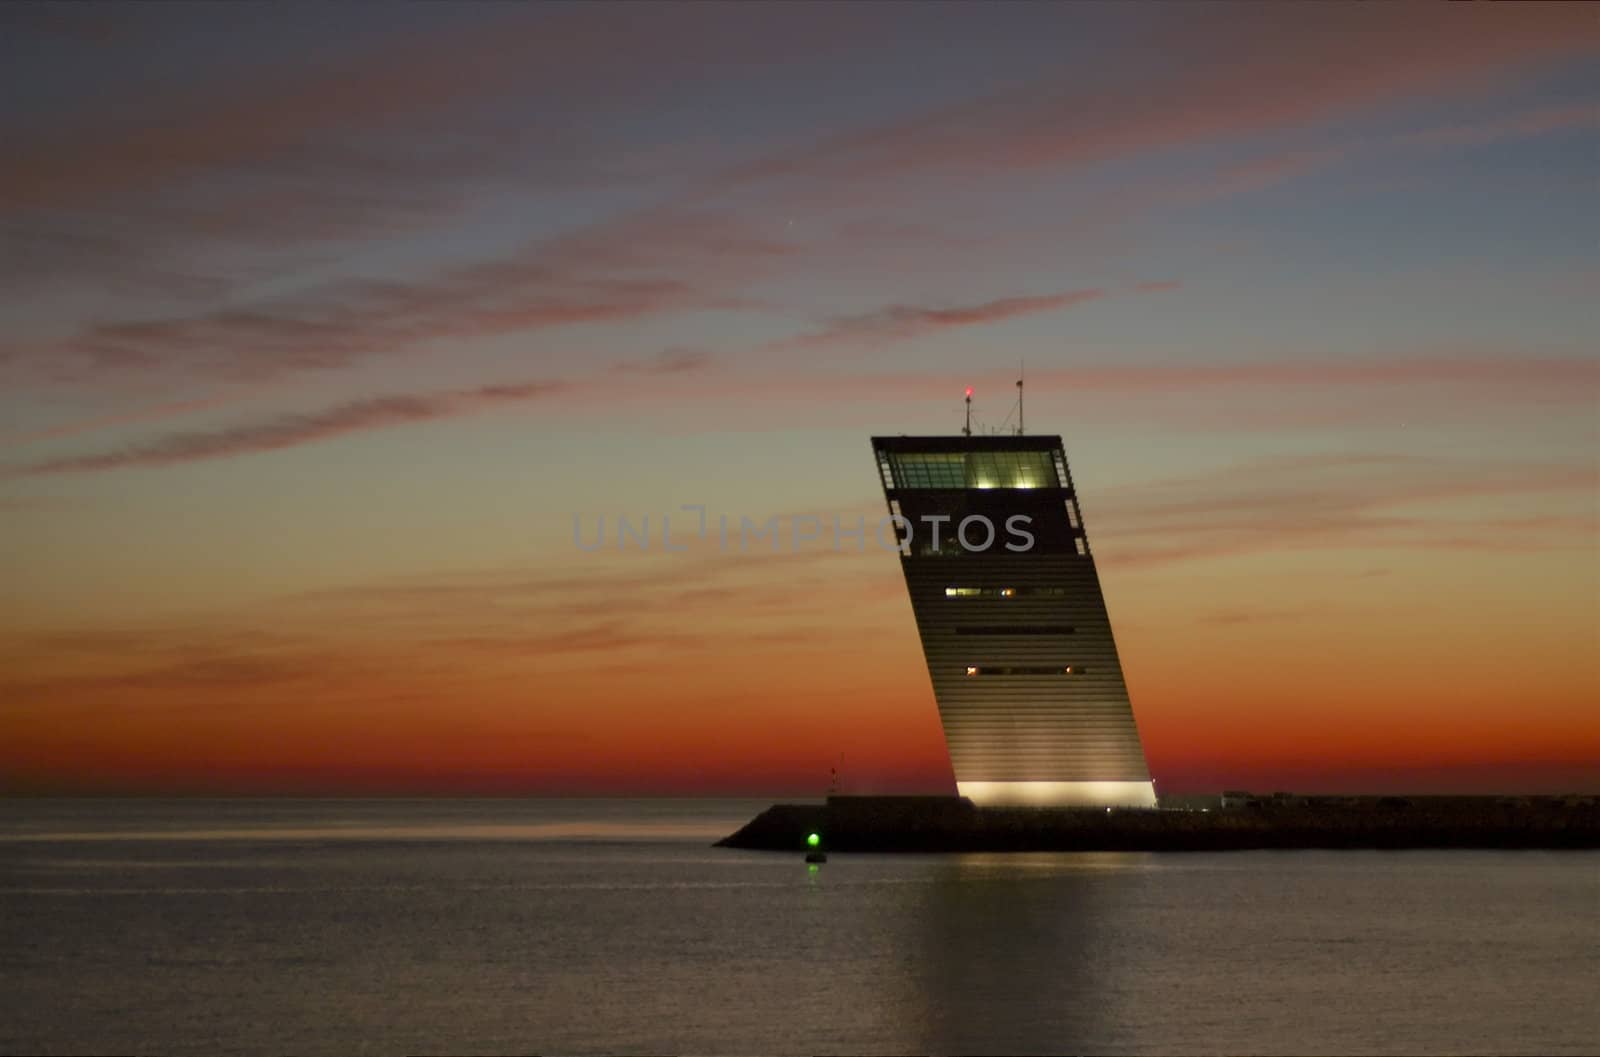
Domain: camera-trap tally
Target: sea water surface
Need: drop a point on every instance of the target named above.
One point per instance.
(605, 926)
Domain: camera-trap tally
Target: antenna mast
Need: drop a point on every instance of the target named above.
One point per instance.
(967, 431)
(1020, 375)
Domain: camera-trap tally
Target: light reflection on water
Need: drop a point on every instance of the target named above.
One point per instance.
(590, 927)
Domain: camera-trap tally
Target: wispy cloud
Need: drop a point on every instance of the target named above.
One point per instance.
(1537, 122)
(1371, 501)
(685, 252)
(439, 628)
(628, 268)
(1269, 170)
(1521, 372)
(293, 430)
(154, 413)
(1275, 70)
(1232, 617)
(904, 322)
(669, 361)
(408, 75)
(1239, 394)
(196, 193)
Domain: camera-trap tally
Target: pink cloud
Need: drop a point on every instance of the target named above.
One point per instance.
(1228, 79)
(313, 112)
(1371, 500)
(195, 193)
(1401, 370)
(1565, 378)
(154, 413)
(634, 266)
(669, 361)
(1272, 169)
(1516, 126)
(903, 322)
(293, 430)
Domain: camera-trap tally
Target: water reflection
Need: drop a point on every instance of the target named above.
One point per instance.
(1011, 945)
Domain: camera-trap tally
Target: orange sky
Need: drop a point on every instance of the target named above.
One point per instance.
(322, 332)
(1302, 666)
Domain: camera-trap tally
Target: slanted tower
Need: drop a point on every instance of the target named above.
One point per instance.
(1014, 627)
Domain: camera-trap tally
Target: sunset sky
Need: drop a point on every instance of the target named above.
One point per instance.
(322, 324)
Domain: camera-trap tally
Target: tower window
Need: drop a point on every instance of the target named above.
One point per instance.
(953, 471)
(1004, 592)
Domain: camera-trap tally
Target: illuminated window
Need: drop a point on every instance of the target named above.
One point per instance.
(1023, 669)
(1003, 592)
(971, 670)
(928, 470)
(973, 469)
(1011, 469)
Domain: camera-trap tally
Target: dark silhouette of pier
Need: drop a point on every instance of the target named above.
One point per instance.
(952, 824)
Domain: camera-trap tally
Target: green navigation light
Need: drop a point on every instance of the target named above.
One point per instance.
(813, 840)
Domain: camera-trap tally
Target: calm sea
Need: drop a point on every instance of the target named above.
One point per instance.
(612, 926)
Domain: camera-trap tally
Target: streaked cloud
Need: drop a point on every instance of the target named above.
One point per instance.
(675, 360)
(1276, 70)
(904, 322)
(1372, 500)
(293, 430)
(1240, 395)
(628, 268)
(1269, 170)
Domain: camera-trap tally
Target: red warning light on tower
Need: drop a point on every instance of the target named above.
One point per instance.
(969, 392)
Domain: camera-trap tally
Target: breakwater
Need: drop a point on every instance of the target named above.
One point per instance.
(951, 824)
